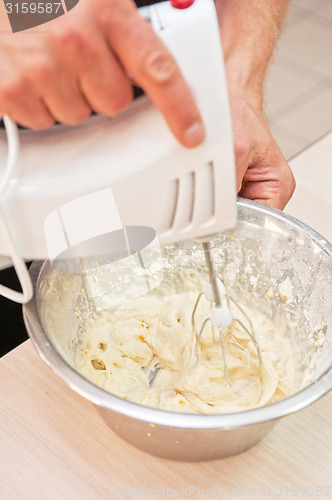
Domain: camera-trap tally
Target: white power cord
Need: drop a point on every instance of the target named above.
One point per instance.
(18, 263)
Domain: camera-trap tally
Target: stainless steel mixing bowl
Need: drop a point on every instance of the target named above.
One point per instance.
(268, 251)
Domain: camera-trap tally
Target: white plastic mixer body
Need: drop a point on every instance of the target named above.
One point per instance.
(72, 184)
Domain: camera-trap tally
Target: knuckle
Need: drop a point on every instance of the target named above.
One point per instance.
(290, 181)
(124, 100)
(293, 185)
(161, 66)
(12, 91)
(73, 40)
(115, 13)
(41, 123)
(105, 4)
(41, 70)
(118, 103)
(109, 5)
(79, 117)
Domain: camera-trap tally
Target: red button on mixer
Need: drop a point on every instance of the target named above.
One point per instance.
(182, 4)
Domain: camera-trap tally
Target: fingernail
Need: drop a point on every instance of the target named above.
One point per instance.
(194, 135)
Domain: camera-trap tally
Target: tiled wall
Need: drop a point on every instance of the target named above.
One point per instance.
(298, 93)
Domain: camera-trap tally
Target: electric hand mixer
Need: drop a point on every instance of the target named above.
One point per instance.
(70, 188)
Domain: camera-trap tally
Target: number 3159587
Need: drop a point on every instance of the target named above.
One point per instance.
(33, 8)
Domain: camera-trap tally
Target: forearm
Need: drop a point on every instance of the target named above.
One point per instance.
(249, 32)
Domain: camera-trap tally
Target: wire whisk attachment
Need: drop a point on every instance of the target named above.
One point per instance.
(221, 317)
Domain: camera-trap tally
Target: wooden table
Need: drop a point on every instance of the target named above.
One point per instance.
(53, 445)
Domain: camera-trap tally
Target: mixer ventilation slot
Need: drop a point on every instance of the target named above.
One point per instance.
(204, 199)
(193, 183)
(184, 202)
(176, 185)
(210, 166)
(193, 196)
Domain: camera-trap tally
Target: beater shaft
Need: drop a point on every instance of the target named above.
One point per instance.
(212, 274)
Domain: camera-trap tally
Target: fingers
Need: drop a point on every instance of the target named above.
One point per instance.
(261, 170)
(104, 83)
(60, 93)
(60, 77)
(32, 114)
(151, 65)
(17, 98)
(272, 184)
(32, 88)
(270, 194)
(67, 104)
(88, 66)
(87, 62)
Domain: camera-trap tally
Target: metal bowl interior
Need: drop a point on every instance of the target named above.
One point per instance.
(268, 250)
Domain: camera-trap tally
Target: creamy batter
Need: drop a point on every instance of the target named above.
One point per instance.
(119, 349)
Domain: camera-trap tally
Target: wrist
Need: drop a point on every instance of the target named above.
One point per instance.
(243, 84)
(249, 32)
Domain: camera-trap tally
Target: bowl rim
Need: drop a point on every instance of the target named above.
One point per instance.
(106, 400)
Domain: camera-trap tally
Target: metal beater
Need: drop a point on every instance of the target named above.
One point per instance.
(221, 316)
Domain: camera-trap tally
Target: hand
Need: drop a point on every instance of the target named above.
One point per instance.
(87, 61)
(249, 33)
(262, 172)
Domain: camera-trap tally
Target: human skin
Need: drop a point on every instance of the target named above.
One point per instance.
(83, 62)
(84, 59)
(249, 33)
